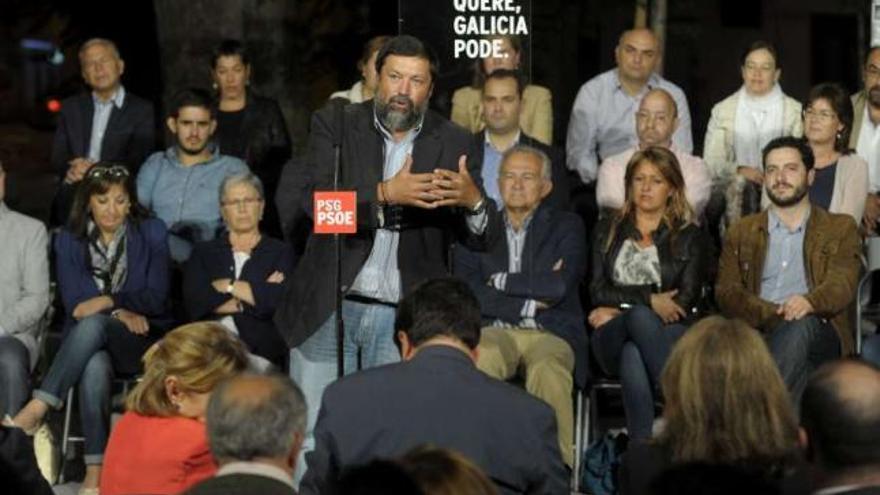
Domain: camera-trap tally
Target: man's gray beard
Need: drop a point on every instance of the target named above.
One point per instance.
(398, 121)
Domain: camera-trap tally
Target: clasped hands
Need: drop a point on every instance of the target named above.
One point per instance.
(432, 189)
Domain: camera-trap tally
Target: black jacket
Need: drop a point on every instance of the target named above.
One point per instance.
(686, 257)
(212, 260)
(425, 245)
(240, 484)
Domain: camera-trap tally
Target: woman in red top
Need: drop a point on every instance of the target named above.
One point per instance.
(160, 445)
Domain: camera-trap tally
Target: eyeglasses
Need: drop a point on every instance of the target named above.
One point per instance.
(822, 116)
(115, 172)
(241, 202)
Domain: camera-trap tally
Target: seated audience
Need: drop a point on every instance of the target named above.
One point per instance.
(446, 472)
(105, 124)
(180, 184)
(239, 277)
(841, 176)
(255, 429)
(739, 128)
(112, 271)
(840, 428)
(502, 95)
(160, 446)
(656, 122)
(24, 298)
(249, 126)
(365, 88)
(649, 265)
(527, 286)
(725, 404)
(536, 116)
(791, 270)
(437, 396)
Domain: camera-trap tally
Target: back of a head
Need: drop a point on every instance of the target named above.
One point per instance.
(725, 400)
(840, 411)
(255, 416)
(440, 307)
(377, 477)
(446, 472)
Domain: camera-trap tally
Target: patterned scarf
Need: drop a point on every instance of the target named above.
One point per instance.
(109, 264)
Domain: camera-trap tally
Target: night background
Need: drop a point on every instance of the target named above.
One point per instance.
(303, 50)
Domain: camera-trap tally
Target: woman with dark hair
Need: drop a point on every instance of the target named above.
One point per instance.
(840, 184)
(536, 110)
(112, 270)
(650, 262)
(741, 125)
(249, 126)
(726, 404)
(238, 278)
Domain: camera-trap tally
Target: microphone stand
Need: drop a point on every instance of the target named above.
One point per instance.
(337, 246)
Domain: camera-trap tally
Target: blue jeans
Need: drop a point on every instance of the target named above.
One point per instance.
(871, 349)
(85, 357)
(15, 375)
(799, 347)
(369, 328)
(635, 346)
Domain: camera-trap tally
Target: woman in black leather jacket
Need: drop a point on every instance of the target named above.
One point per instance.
(650, 263)
(249, 126)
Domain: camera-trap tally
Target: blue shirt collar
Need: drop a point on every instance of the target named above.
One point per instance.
(775, 223)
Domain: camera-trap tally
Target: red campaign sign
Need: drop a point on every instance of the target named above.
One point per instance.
(335, 212)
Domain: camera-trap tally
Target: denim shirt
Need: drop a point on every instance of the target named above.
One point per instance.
(186, 198)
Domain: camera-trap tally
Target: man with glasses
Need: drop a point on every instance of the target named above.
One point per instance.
(656, 122)
(180, 185)
(106, 124)
(24, 297)
(865, 138)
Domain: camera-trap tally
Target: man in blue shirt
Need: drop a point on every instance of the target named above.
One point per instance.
(181, 185)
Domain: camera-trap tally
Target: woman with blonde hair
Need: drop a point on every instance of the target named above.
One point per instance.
(725, 404)
(649, 264)
(160, 445)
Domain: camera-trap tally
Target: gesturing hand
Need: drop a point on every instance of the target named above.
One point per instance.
(407, 188)
(668, 310)
(456, 188)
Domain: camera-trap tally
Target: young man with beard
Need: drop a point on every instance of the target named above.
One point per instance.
(180, 185)
(417, 192)
(791, 270)
(865, 138)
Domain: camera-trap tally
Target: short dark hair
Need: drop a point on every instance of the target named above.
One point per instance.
(840, 102)
(760, 45)
(799, 144)
(443, 306)
(98, 180)
(408, 46)
(843, 426)
(229, 48)
(507, 74)
(192, 97)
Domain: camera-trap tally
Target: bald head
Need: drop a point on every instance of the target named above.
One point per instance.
(657, 119)
(637, 55)
(840, 412)
(256, 417)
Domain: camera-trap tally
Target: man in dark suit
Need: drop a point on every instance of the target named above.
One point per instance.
(527, 285)
(415, 195)
(255, 428)
(502, 104)
(437, 396)
(106, 124)
(840, 427)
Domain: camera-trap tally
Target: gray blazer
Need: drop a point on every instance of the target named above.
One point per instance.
(24, 278)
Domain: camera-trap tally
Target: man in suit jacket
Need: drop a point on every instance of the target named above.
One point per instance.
(255, 429)
(865, 136)
(527, 285)
(502, 105)
(415, 194)
(108, 124)
(840, 428)
(437, 396)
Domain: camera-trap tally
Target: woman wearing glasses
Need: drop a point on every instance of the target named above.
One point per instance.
(840, 184)
(238, 278)
(112, 271)
(740, 126)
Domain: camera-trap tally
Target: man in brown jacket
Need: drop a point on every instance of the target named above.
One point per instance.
(791, 271)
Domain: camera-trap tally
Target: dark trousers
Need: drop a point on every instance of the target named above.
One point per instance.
(799, 347)
(14, 375)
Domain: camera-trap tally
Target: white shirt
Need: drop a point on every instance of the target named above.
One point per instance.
(868, 148)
